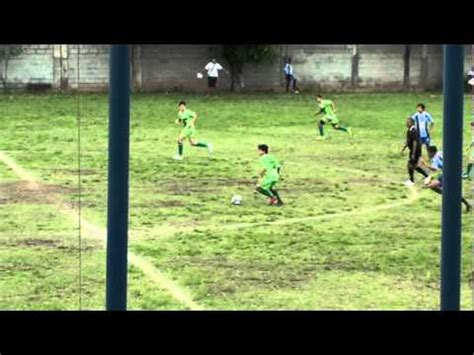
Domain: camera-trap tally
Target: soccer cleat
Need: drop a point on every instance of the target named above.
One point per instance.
(210, 148)
(427, 180)
(178, 157)
(409, 183)
(272, 201)
(321, 138)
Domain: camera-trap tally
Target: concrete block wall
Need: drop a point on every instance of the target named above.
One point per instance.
(174, 67)
(170, 67)
(93, 66)
(33, 66)
(321, 66)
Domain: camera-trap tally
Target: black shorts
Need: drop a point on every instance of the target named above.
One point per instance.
(211, 81)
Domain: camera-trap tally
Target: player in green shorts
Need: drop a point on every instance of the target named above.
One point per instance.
(269, 176)
(329, 109)
(188, 119)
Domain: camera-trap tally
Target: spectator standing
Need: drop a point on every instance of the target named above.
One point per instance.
(289, 76)
(212, 69)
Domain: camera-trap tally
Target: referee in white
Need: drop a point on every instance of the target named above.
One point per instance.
(212, 74)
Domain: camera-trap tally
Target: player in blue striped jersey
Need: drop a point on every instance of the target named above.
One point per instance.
(435, 180)
(424, 124)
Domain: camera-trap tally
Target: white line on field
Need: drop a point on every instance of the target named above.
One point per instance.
(97, 233)
(180, 294)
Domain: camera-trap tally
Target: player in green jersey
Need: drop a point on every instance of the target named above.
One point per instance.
(269, 176)
(188, 119)
(469, 150)
(329, 109)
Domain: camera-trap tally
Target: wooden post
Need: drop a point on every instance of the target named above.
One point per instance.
(406, 68)
(65, 67)
(355, 66)
(424, 67)
(57, 66)
(137, 67)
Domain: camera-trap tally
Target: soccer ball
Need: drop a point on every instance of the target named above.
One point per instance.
(199, 76)
(236, 200)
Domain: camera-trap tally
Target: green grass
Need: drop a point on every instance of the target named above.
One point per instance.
(181, 219)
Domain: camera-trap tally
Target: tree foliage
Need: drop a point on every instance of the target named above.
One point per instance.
(238, 55)
(7, 52)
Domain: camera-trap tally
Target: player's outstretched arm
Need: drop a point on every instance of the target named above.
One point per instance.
(195, 118)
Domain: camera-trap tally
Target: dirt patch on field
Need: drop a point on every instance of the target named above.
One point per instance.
(74, 171)
(241, 275)
(367, 181)
(25, 192)
(189, 186)
(45, 243)
(159, 204)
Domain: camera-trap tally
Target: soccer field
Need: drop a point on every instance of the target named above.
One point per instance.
(350, 235)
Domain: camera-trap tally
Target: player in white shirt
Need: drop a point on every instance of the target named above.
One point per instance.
(212, 69)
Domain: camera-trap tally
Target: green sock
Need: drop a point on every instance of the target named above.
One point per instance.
(264, 192)
(276, 194)
(201, 144)
(321, 130)
(180, 148)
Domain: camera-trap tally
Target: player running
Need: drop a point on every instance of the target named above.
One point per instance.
(435, 180)
(269, 176)
(188, 118)
(413, 143)
(469, 150)
(328, 107)
(424, 124)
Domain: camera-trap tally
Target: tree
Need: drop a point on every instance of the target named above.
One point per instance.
(7, 52)
(238, 55)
